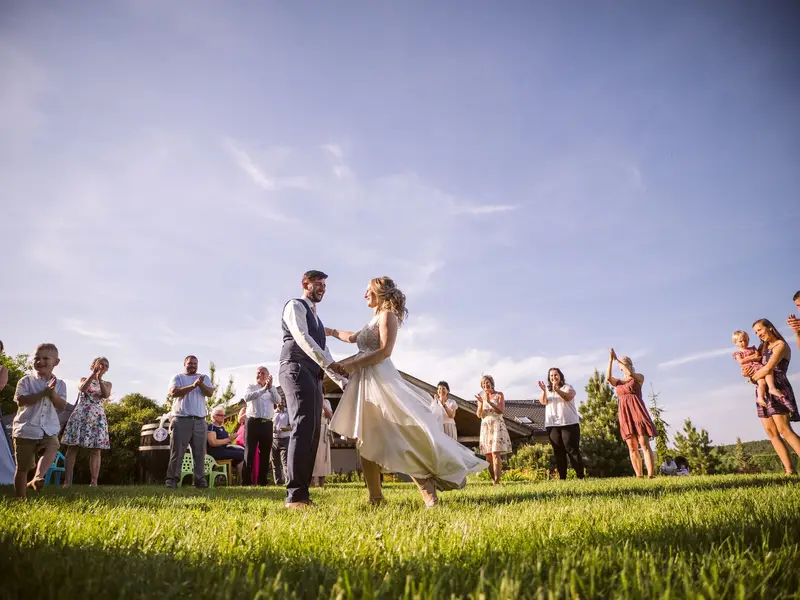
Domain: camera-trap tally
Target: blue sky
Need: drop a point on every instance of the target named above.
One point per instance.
(543, 181)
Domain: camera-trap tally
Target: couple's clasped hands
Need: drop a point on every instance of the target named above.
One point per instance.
(341, 368)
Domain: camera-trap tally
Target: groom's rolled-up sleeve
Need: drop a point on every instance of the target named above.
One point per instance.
(294, 315)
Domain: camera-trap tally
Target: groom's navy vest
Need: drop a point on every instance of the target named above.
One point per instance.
(291, 352)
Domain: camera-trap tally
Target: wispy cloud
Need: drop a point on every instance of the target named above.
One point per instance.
(99, 336)
(483, 209)
(247, 165)
(335, 150)
(259, 176)
(421, 276)
(694, 358)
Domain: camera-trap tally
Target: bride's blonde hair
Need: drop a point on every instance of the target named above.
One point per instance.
(390, 297)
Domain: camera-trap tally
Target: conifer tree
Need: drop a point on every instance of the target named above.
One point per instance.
(605, 453)
(696, 448)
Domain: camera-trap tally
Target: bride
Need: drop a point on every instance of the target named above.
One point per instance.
(395, 429)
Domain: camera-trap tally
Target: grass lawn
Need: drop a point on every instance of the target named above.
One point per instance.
(692, 537)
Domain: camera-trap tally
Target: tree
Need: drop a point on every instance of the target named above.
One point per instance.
(603, 449)
(657, 412)
(217, 398)
(125, 420)
(744, 460)
(18, 367)
(696, 448)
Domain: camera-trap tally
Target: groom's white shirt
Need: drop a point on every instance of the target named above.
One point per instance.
(294, 315)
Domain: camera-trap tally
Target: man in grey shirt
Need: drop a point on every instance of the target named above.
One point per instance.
(189, 391)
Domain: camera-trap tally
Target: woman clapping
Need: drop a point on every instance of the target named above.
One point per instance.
(87, 426)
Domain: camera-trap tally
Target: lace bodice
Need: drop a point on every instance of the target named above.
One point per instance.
(369, 338)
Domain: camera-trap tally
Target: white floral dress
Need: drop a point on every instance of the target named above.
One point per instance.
(87, 425)
(494, 434)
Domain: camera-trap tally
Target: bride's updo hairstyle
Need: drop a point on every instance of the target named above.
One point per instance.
(390, 297)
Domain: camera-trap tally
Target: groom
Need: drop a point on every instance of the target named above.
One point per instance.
(304, 361)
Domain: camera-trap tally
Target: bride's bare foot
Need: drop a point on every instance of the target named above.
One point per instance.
(66, 485)
(427, 488)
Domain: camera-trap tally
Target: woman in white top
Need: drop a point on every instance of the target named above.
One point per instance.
(562, 422)
(322, 464)
(443, 403)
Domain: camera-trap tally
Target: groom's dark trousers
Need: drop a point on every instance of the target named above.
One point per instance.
(302, 385)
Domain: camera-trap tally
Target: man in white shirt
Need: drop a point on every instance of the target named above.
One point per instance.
(261, 398)
(282, 429)
(189, 391)
(303, 362)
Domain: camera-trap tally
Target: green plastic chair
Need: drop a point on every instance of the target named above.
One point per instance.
(213, 470)
(187, 467)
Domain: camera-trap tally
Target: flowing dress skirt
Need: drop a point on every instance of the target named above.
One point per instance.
(395, 428)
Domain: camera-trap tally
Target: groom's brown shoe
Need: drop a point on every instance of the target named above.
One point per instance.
(298, 505)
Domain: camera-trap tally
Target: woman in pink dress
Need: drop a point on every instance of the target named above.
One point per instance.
(635, 425)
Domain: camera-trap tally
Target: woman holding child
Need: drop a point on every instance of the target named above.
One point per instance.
(635, 424)
(778, 409)
(87, 426)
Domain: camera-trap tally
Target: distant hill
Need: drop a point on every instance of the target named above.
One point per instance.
(756, 447)
(762, 452)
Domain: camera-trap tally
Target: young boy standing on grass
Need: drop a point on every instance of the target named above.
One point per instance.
(36, 424)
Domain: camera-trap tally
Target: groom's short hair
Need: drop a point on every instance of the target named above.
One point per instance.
(796, 295)
(314, 275)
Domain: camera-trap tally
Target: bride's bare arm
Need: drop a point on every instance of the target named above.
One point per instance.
(387, 325)
(344, 336)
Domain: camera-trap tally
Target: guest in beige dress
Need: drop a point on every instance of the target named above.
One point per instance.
(494, 440)
(322, 464)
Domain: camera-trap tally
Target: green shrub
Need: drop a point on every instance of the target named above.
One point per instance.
(533, 456)
(125, 420)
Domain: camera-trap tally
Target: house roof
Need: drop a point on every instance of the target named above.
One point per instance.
(532, 410)
(467, 422)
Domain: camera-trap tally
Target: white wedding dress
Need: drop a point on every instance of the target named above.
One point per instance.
(394, 426)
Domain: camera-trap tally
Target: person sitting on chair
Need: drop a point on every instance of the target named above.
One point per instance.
(220, 442)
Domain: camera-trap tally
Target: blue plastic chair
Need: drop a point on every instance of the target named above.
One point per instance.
(55, 470)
